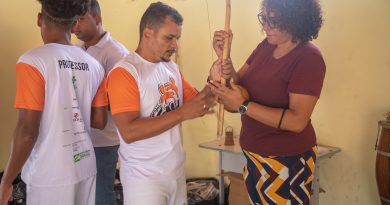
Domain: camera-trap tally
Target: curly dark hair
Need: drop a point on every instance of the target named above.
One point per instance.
(63, 12)
(155, 14)
(301, 18)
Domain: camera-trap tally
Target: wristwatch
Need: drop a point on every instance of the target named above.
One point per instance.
(244, 107)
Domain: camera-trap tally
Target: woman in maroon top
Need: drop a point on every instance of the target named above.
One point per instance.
(284, 77)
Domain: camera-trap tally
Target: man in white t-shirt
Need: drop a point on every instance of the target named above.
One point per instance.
(149, 99)
(60, 94)
(99, 44)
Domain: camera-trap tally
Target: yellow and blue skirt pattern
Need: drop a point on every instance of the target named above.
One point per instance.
(277, 180)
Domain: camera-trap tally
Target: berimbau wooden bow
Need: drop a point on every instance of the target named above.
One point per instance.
(225, 55)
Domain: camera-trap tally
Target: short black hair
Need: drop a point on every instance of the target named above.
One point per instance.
(301, 18)
(155, 15)
(63, 12)
(94, 8)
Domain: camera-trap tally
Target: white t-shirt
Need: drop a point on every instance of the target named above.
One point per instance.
(69, 79)
(152, 89)
(108, 52)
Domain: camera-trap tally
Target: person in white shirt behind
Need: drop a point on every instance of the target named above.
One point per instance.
(149, 98)
(99, 44)
(60, 94)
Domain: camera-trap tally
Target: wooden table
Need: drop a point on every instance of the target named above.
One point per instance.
(231, 158)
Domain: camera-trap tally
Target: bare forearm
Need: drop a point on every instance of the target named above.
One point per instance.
(266, 115)
(143, 128)
(272, 117)
(21, 148)
(132, 127)
(99, 117)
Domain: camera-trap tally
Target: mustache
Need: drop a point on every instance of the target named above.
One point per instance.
(171, 50)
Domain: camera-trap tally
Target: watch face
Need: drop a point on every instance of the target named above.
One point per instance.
(242, 109)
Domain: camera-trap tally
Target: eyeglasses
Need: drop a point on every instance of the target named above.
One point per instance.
(271, 22)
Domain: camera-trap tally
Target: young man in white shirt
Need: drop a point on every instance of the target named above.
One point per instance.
(60, 93)
(149, 99)
(99, 44)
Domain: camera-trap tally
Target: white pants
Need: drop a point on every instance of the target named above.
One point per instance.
(82, 193)
(161, 192)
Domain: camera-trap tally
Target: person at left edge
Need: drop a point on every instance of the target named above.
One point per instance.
(60, 93)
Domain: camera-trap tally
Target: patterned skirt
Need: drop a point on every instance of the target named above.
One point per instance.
(276, 180)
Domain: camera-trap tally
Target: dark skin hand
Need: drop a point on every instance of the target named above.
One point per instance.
(232, 98)
(222, 68)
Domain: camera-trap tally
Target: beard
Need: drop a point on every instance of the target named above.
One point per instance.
(167, 55)
(82, 36)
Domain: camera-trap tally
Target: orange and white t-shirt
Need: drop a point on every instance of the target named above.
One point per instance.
(152, 89)
(107, 52)
(63, 82)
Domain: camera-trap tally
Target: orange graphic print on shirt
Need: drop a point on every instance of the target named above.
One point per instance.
(169, 99)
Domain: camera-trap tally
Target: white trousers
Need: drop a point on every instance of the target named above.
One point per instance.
(82, 193)
(161, 192)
